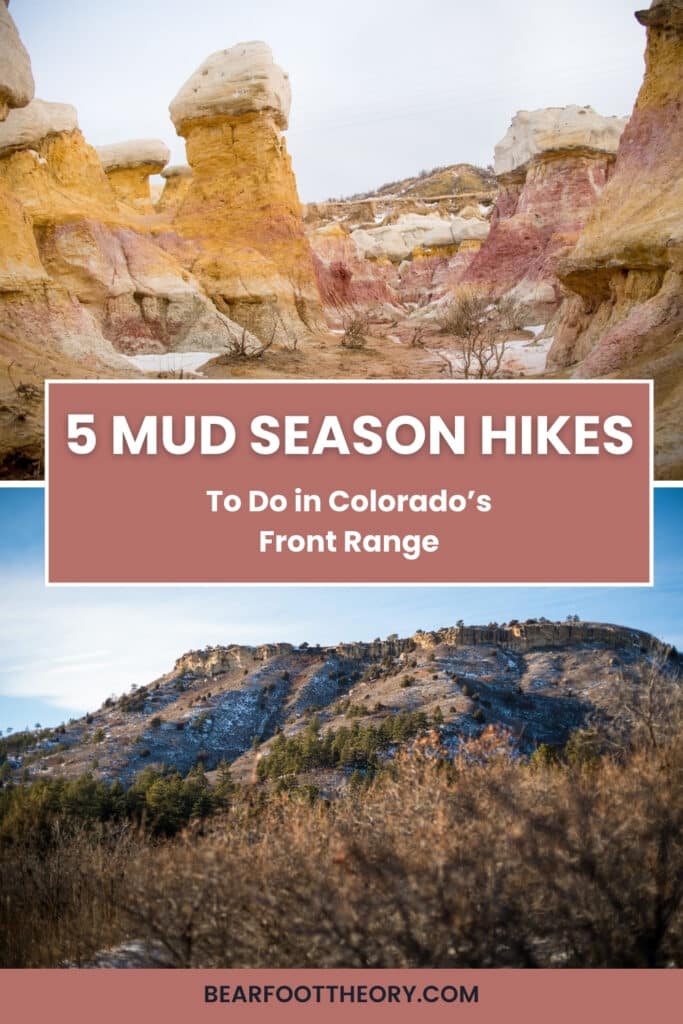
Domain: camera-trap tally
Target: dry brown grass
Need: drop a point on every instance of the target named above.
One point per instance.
(62, 896)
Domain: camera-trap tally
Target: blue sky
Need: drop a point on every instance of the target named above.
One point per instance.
(380, 90)
(63, 651)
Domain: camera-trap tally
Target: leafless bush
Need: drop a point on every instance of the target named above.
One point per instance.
(239, 348)
(473, 319)
(301, 303)
(645, 708)
(356, 328)
(26, 392)
(508, 314)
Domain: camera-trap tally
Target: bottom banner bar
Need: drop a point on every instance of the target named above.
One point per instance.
(177, 997)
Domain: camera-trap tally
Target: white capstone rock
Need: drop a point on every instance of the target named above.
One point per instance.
(134, 153)
(26, 128)
(412, 230)
(16, 79)
(177, 171)
(241, 80)
(533, 132)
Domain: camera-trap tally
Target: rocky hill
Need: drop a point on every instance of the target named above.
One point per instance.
(453, 180)
(537, 681)
(445, 190)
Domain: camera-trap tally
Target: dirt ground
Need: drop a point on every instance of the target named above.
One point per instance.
(325, 358)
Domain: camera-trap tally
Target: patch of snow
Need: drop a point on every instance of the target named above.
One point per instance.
(171, 362)
(135, 953)
(526, 357)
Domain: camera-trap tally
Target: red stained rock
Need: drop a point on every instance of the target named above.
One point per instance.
(536, 219)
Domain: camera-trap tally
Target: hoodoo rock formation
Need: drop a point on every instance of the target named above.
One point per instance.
(129, 165)
(552, 166)
(51, 177)
(177, 180)
(625, 275)
(137, 295)
(48, 166)
(242, 211)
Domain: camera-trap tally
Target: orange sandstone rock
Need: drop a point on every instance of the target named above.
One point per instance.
(46, 163)
(68, 229)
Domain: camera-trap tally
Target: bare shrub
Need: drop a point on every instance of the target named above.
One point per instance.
(490, 865)
(239, 348)
(645, 709)
(26, 392)
(63, 894)
(356, 328)
(301, 303)
(473, 319)
(417, 338)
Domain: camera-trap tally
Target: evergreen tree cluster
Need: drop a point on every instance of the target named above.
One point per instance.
(355, 747)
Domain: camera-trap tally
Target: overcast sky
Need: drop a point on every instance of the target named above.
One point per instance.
(381, 88)
(64, 650)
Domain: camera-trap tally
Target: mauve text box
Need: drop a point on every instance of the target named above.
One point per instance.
(569, 519)
(486, 996)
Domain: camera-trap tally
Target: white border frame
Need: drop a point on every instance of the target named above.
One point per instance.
(346, 583)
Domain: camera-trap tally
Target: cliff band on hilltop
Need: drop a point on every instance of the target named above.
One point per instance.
(537, 681)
